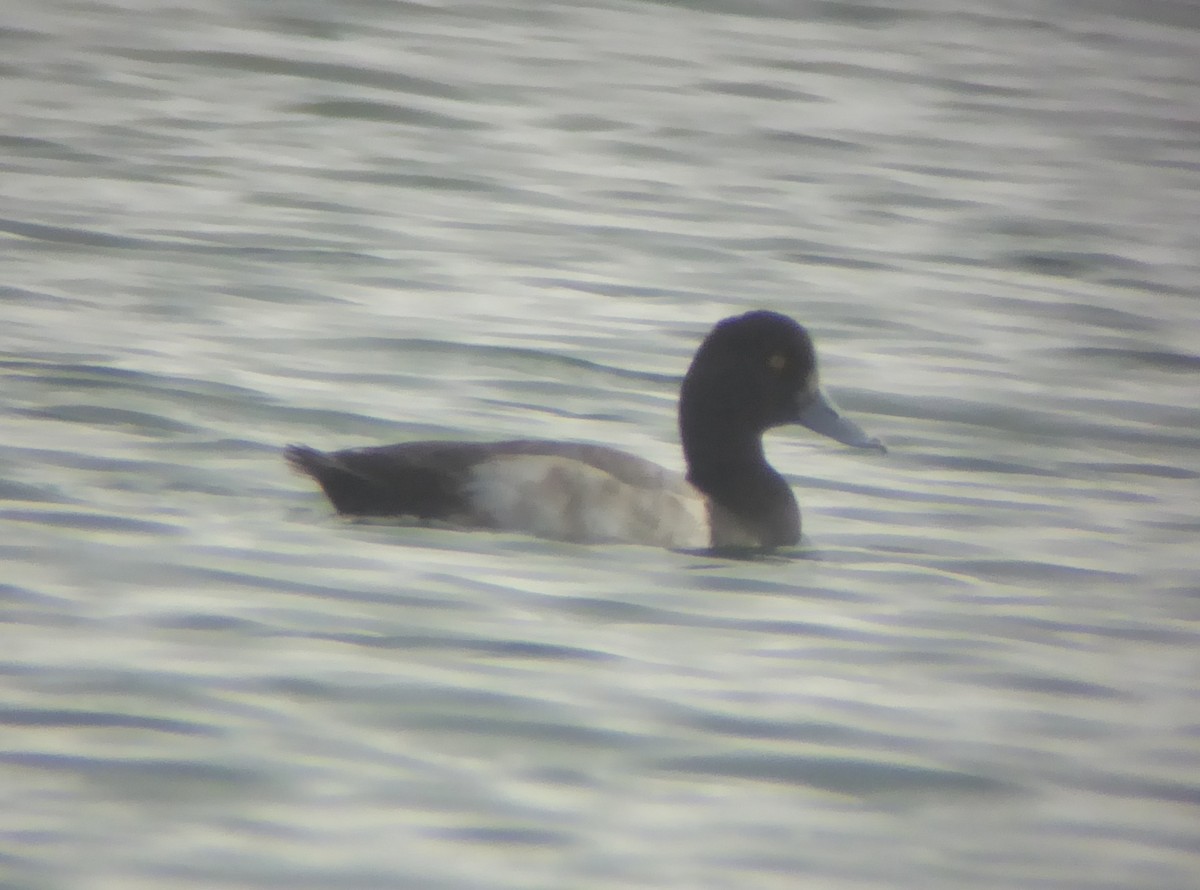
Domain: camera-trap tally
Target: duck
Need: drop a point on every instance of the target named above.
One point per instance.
(751, 373)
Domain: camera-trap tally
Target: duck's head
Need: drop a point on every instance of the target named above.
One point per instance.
(754, 372)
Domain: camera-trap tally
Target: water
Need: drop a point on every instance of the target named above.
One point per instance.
(232, 226)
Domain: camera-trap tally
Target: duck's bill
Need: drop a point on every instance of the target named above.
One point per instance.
(821, 415)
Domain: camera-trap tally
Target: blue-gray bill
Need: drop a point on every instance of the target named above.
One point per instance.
(821, 415)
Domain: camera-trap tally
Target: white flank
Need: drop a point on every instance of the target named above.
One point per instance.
(562, 498)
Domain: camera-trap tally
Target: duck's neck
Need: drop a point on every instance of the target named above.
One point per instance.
(713, 447)
(729, 466)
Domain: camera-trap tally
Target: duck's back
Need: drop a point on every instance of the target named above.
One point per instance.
(563, 490)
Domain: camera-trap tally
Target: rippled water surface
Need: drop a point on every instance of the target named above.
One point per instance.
(230, 226)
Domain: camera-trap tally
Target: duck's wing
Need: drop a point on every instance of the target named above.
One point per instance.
(421, 479)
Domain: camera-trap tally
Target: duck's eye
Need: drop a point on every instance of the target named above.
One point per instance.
(777, 362)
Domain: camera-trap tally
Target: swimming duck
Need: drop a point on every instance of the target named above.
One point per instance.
(751, 373)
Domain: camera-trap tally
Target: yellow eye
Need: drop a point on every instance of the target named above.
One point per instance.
(777, 362)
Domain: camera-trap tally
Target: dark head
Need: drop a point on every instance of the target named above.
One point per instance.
(753, 372)
(748, 375)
